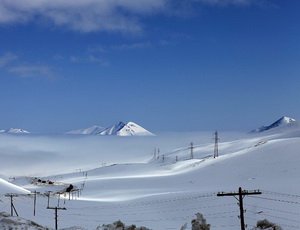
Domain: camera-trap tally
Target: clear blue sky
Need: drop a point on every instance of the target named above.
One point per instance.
(169, 65)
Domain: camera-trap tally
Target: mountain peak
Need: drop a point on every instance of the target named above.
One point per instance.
(286, 120)
(119, 129)
(282, 122)
(126, 129)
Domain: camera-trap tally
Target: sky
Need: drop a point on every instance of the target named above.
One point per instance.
(168, 65)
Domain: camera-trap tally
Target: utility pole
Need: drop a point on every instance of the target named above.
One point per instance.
(48, 195)
(55, 212)
(216, 148)
(34, 202)
(12, 207)
(241, 194)
(192, 150)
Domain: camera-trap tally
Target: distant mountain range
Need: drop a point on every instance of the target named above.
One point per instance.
(133, 129)
(14, 131)
(282, 123)
(119, 129)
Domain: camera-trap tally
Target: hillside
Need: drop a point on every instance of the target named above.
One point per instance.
(166, 190)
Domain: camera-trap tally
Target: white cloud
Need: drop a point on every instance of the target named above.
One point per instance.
(31, 71)
(7, 59)
(137, 45)
(81, 15)
(90, 58)
(98, 15)
(98, 60)
(11, 63)
(229, 2)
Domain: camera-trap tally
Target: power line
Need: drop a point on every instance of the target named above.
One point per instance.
(278, 200)
(280, 194)
(278, 217)
(275, 210)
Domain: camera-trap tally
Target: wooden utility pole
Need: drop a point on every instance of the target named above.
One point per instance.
(12, 207)
(56, 214)
(192, 150)
(216, 148)
(241, 194)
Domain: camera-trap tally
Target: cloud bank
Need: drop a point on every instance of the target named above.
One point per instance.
(81, 15)
(94, 15)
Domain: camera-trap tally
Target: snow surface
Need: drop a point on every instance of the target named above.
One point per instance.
(9, 188)
(127, 179)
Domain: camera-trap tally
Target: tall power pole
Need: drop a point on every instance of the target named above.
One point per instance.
(216, 148)
(241, 194)
(192, 150)
(34, 202)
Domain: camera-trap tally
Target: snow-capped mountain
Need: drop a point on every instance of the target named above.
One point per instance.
(119, 129)
(14, 131)
(283, 122)
(126, 129)
(93, 130)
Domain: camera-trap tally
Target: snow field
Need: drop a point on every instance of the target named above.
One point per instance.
(165, 194)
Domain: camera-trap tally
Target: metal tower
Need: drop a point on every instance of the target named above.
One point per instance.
(216, 148)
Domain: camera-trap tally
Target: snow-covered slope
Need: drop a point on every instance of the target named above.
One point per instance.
(126, 129)
(169, 187)
(93, 130)
(14, 131)
(8, 188)
(283, 122)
